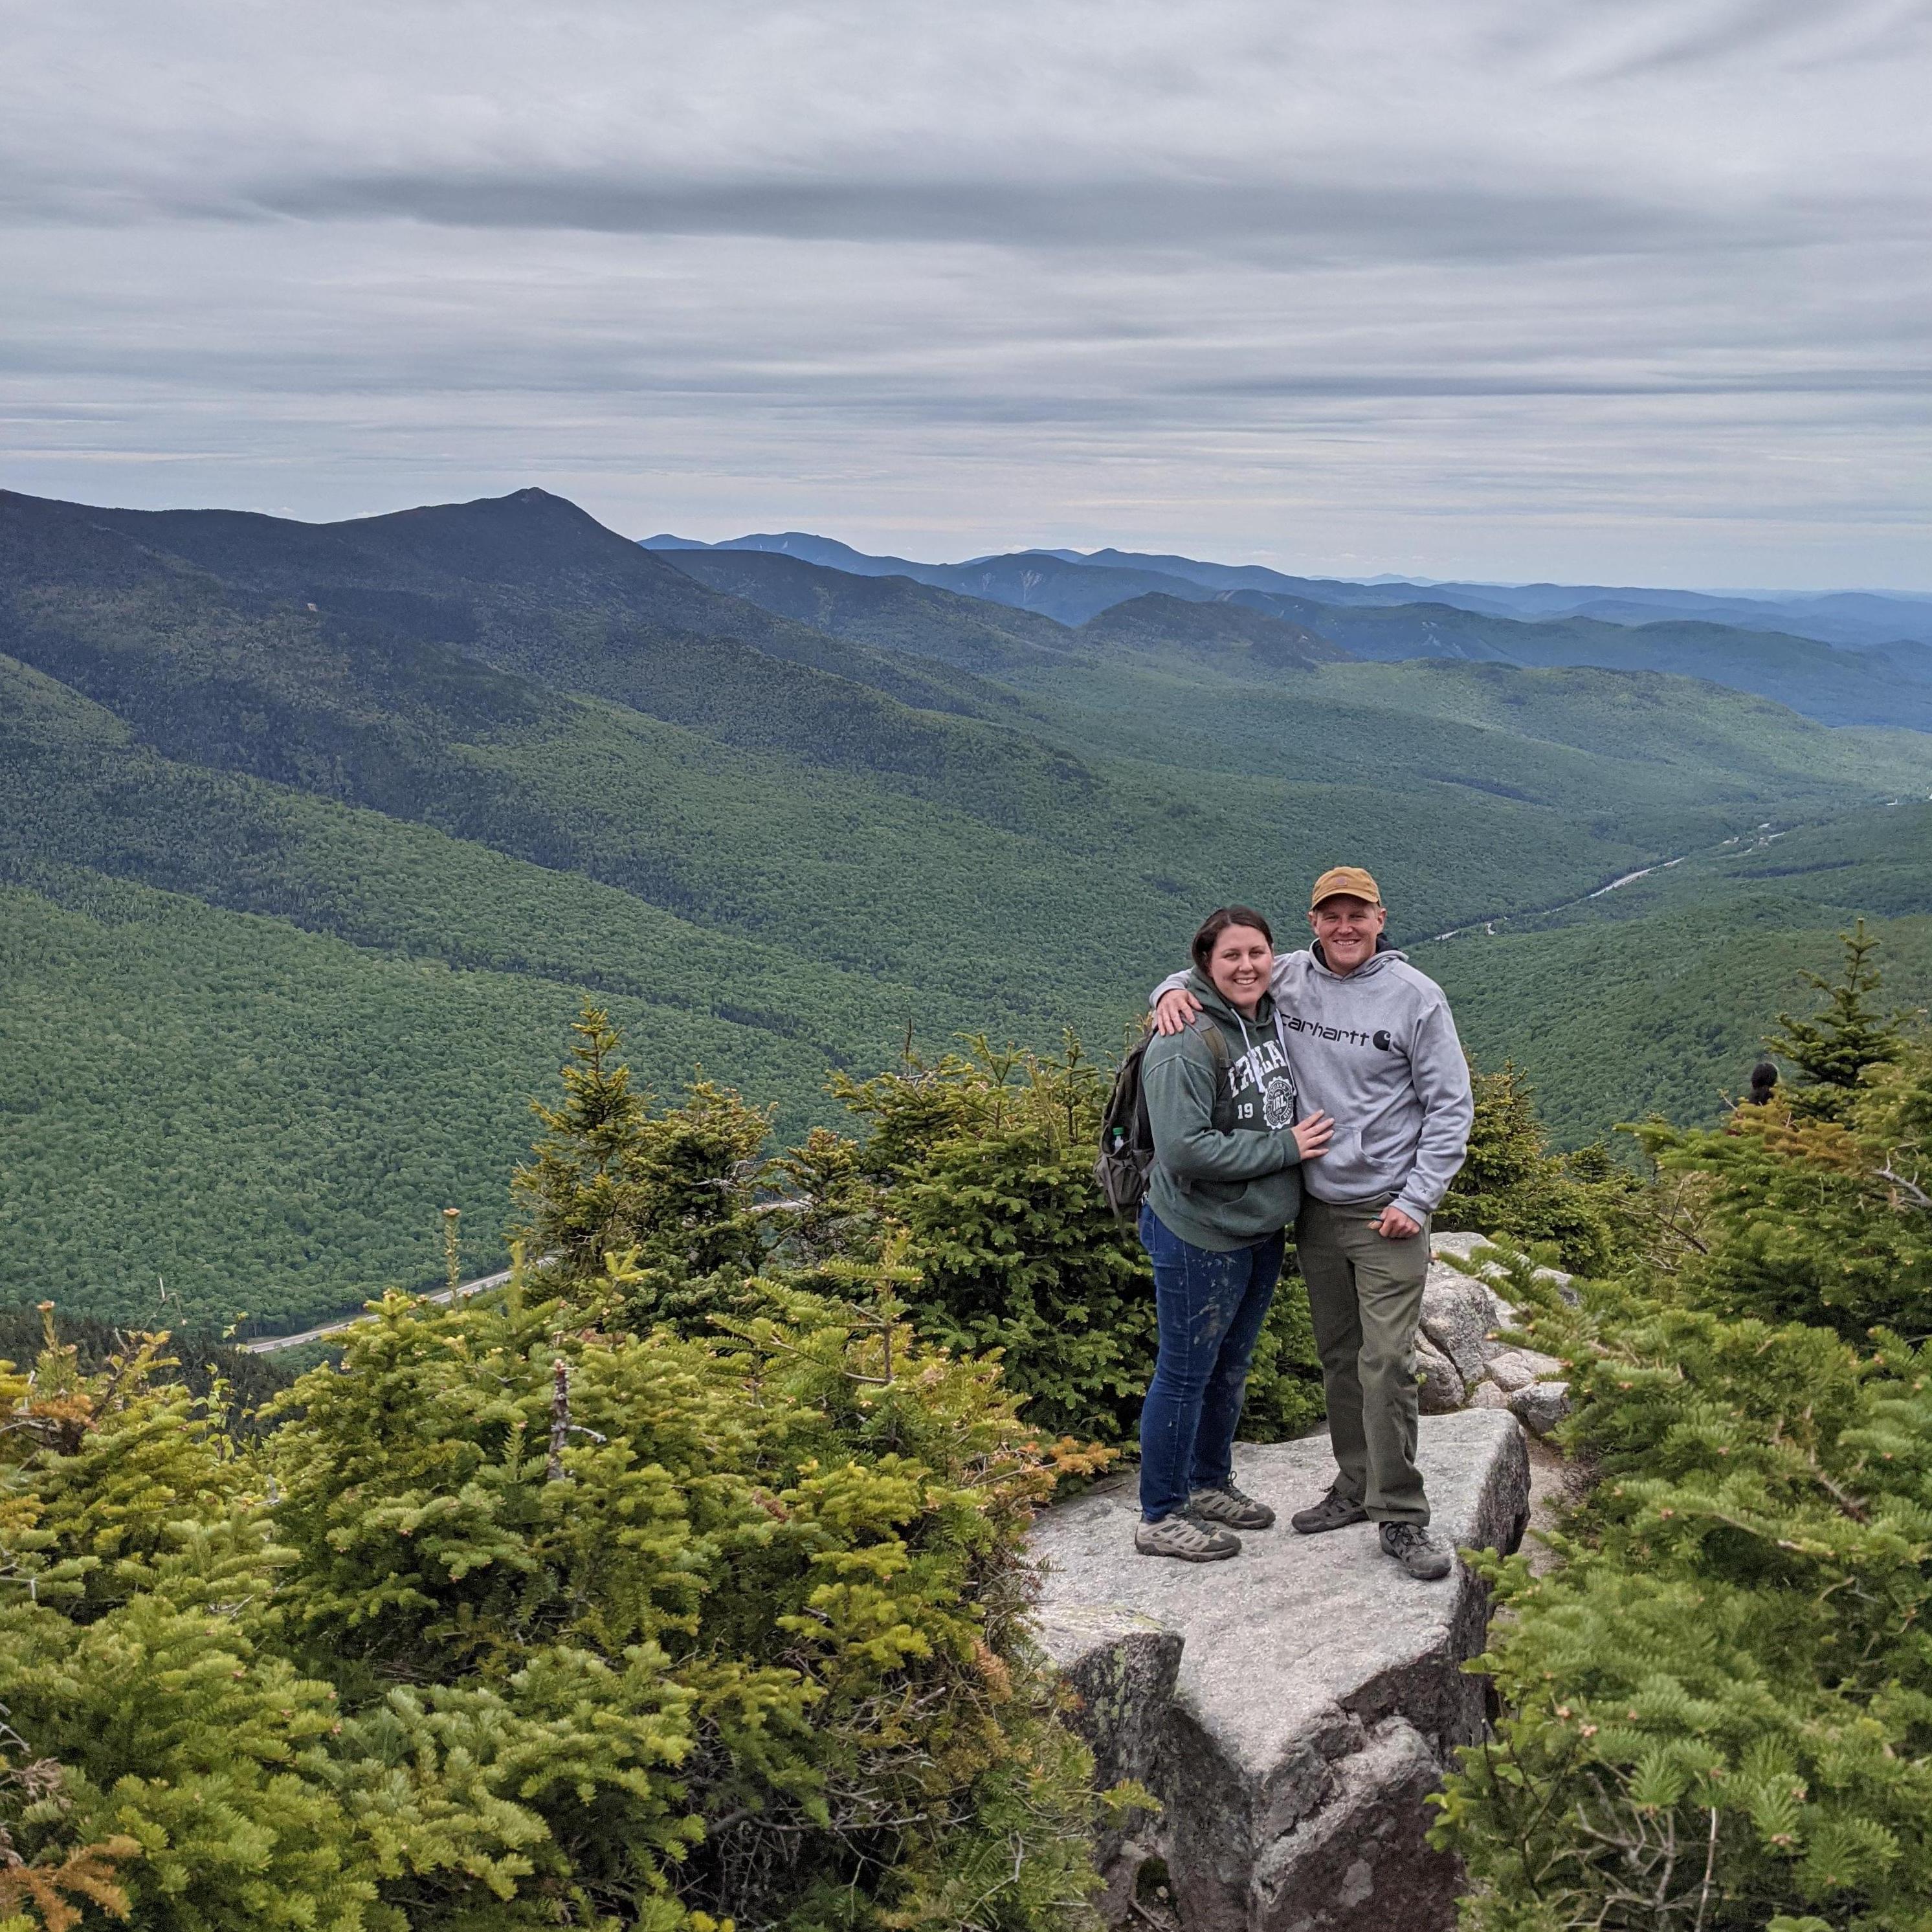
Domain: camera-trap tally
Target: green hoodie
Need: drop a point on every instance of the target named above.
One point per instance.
(1219, 1190)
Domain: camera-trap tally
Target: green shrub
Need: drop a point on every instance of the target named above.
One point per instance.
(732, 1625)
(1720, 1706)
(547, 1622)
(160, 1759)
(986, 1158)
(1512, 1185)
(983, 1159)
(1718, 1709)
(202, 1363)
(1823, 1220)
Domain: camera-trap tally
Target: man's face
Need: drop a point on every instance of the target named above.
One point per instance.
(1347, 928)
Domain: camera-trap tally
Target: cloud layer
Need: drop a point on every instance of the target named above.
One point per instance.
(1620, 289)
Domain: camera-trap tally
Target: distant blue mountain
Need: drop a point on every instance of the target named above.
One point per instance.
(1227, 577)
(1892, 685)
(1064, 555)
(1050, 581)
(1038, 580)
(1059, 584)
(826, 550)
(1857, 618)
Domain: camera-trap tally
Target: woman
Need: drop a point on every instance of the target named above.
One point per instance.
(1226, 1184)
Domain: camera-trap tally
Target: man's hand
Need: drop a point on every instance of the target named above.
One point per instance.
(1176, 1010)
(1311, 1135)
(1395, 1226)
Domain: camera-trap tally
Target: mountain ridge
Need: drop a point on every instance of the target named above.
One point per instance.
(300, 900)
(1858, 620)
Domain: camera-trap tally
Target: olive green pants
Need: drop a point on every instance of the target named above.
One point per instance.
(1365, 1295)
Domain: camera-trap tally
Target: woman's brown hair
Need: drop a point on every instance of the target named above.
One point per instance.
(1218, 922)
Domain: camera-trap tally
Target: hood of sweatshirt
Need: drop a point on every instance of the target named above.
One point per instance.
(1374, 963)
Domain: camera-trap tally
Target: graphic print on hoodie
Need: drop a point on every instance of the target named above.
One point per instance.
(1226, 1172)
(1260, 1082)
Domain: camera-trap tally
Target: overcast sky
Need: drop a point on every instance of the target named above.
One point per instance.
(1608, 290)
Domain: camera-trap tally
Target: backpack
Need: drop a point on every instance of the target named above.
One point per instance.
(1126, 1137)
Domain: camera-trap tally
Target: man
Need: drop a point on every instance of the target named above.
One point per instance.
(1371, 1042)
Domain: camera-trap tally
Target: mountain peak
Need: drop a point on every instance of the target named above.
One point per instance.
(529, 501)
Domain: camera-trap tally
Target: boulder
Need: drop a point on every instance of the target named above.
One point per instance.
(1541, 1406)
(1319, 1689)
(1442, 1388)
(1457, 1315)
(1514, 1369)
(1456, 1248)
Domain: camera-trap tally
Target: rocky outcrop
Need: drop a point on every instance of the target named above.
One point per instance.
(1121, 1666)
(1318, 1692)
(1459, 1357)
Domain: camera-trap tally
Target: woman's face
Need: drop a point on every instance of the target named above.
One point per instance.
(1239, 965)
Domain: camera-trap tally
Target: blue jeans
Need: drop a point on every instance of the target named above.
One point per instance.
(1210, 1307)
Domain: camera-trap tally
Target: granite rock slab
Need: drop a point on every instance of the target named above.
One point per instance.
(1318, 1691)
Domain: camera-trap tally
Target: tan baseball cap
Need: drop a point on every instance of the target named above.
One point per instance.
(1352, 879)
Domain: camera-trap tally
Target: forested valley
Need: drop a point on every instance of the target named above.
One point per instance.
(317, 837)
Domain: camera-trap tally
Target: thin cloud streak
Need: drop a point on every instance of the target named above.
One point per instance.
(1338, 220)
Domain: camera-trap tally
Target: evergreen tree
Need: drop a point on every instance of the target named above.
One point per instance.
(1832, 1047)
(749, 1639)
(576, 1192)
(1718, 1708)
(1825, 1221)
(676, 1189)
(1513, 1184)
(162, 1762)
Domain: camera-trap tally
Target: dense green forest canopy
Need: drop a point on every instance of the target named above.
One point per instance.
(315, 836)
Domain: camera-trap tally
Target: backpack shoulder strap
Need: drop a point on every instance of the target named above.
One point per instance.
(1223, 1115)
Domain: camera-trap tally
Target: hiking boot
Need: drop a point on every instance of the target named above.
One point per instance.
(1418, 1552)
(1332, 1512)
(1230, 1508)
(1182, 1537)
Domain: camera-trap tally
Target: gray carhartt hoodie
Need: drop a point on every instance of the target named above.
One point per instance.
(1376, 1049)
